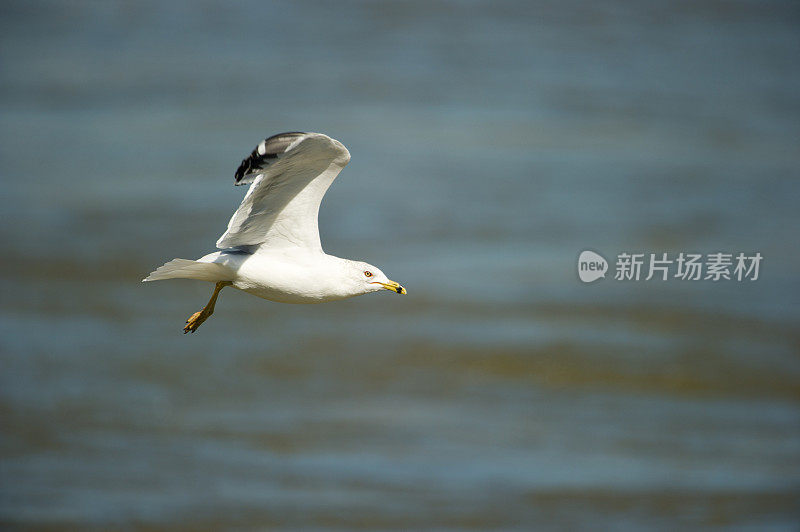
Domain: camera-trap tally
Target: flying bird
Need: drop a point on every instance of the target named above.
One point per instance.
(271, 248)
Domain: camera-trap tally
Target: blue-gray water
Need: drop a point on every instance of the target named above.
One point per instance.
(491, 143)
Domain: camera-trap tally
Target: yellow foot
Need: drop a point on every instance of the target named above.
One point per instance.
(195, 320)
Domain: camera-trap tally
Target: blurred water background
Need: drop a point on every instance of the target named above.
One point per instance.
(491, 143)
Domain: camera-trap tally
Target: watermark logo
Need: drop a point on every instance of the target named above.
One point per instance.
(591, 266)
(719, 266)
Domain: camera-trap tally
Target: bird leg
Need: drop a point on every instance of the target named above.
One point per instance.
(196, 319)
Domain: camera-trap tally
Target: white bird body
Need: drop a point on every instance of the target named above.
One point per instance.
(290, 275)
(271, 248)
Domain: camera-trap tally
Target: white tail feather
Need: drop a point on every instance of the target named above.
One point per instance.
(190, 269)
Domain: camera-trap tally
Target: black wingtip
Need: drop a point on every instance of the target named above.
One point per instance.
(265, 152)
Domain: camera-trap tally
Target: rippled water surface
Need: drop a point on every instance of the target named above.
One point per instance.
(491, 143)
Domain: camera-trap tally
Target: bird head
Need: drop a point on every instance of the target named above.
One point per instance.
(372, 279)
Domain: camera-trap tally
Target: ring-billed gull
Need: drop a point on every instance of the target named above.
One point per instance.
(271, 248)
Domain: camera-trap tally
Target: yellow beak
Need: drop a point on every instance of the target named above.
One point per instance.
(394, 287)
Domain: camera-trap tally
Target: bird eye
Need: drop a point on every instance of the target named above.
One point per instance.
(368, 273)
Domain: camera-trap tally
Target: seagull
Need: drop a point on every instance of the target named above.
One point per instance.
(271, 248)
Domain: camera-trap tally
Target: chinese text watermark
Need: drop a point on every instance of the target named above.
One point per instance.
(719, 266)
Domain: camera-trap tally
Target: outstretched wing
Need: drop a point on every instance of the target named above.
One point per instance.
(288, 175)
